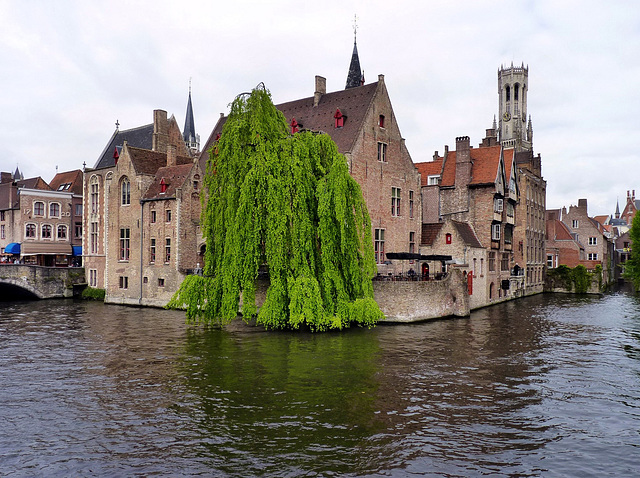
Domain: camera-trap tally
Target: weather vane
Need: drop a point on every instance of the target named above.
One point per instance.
(355, 25)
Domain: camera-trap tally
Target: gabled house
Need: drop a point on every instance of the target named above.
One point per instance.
(361, 121)
(630, 208)
(562, 247)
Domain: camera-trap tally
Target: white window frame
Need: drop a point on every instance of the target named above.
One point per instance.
(495, 232)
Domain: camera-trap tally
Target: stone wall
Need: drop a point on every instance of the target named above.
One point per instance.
(44, 282)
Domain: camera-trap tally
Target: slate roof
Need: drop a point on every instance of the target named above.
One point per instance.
(354, 77)
(140, 137)
(429, 168)
(466, 233)
(430, 232)
(148, 162)
(352, 103)
(189, 133)
(174, 177)
(70, 181)
(485, 166)
(34, 183)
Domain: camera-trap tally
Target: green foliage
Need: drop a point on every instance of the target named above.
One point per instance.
(632, 266)
(89, 293)
(576, 280)
(561, 277)
(287, 201)
(581, 279)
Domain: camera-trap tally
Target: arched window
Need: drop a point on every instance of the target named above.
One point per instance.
(30, 231)
(94, 188)
(125, 188)
(508, 93)
(54, 209)
(46, 231)
(516, 87)
(38, 208)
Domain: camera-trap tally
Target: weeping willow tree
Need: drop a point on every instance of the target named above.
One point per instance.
(288, 202)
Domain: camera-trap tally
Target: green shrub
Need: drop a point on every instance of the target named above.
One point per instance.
(93, 294)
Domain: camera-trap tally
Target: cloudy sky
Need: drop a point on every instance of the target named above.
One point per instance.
(70, 69)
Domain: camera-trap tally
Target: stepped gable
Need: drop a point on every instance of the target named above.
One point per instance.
(466, 233)
(69, 181)
(140, 137)
(148, 162)
(174, 177)
(430, 232)
(429, 168)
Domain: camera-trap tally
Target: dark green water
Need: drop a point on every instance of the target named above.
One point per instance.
(543, 386)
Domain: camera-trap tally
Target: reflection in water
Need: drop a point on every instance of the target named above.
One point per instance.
(547, 385)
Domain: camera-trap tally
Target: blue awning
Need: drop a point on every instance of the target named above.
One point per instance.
(12, 248)
(77, 250)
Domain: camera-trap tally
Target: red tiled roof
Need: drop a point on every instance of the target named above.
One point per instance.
(174, 177)
(466, 232)
(429, 168)
(429, 233)
(148, 162)
(73, 178)
(34, 183)
(485, 165)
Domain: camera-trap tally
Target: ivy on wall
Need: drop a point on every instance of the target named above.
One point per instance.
(288, 202)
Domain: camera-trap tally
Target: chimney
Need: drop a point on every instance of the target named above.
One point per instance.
(446, 151)
(160, 131)
(582, 204)
(435, 155)
(463, 161)
(171, 155)
(321, 89)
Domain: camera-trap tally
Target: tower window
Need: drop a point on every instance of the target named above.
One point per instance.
(381, 121)
(508, 93)
(515, 91)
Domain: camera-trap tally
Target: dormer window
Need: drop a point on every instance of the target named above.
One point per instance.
(381, 121)
(163, 186)
(339, 119)
(294, 126)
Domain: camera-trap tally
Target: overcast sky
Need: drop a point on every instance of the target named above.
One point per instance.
(70, 69)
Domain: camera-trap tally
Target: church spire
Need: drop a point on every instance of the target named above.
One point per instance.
(355, 76)
(191, 139)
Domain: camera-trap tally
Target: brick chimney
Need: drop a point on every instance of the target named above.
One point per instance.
(321, 89)
(160, 131)
(582, 204)
(463, 161)
(171, 155)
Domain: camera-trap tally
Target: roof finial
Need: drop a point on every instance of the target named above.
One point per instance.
(189, 85)
(355, 26)
(117, 124)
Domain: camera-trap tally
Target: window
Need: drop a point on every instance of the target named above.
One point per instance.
(504, 263)
(46, 231)
(62, 232)
(447, 238)
(54, 209)
(412, 242)
(433, 180)
(395, 201)
(125, 238)
(125, 188)
(593, 241)
(481, 266)
(381, 121)
(550, 261)
(152, 251)
(1, 215)
(94, 238)
(2, 233)
(410, 203)
(153, 216)
(498, 204)
(515, 91)
(492, 262)
(167, 216)
(78, 209)
(510, 210)
(124, 282)
(30, 231)
(339, 119)
(195, 185)
(382, 152)
(38, 208)
(167, 250)
(93, 277)
(94, 195)
(495, 232)
(508, 93)
(592, 257)
(378, 244)
(77, 230)
(508, 234)
(160, 282)
(574, 223)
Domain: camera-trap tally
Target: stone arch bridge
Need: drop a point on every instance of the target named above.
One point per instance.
(19, 281)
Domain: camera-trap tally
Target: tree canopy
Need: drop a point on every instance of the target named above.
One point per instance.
(286, 201)
(632, 266)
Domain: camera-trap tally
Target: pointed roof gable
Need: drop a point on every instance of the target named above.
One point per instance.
(467, 234)
(173, 177)
(430, 232)
(354, 77)
(140, 137)
(489, 162)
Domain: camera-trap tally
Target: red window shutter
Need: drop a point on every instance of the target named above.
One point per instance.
(339, 119)
(294, 126)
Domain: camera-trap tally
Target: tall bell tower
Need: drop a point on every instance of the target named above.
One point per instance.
(513, 88)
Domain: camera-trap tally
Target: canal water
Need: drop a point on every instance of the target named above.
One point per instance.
(543, 386)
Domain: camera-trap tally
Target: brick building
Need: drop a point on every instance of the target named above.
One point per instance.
(630, 208)
(361, 121)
